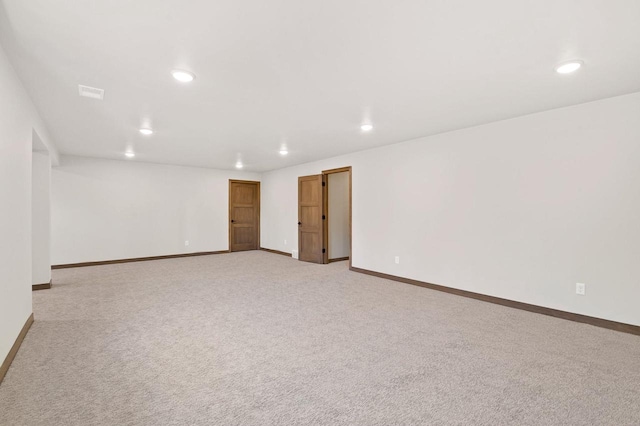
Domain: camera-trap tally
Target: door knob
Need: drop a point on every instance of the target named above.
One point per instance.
(299, 223)
(233, 221)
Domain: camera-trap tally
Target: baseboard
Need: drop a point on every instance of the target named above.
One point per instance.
(338, 259)
(276, 252)
(14, 349)
(598, 322)
(44, 286)
(136, 259)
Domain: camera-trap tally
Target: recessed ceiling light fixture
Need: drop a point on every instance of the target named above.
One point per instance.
(91, 92)
(146, 131)
(366, 127)
(183, 76)
(239, 165)
(129, 154)
(569, 67)
(283, 151)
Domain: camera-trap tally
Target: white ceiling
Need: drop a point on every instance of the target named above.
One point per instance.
(306, 72)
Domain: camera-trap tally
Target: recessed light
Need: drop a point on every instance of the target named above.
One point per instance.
(183, 76)
(146, 131)
(129, 154)
(366, 127)
(569, 67)
(239, 165)
(91, 92)
(284, 151)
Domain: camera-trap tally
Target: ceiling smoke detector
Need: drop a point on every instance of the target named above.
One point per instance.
(90, 92)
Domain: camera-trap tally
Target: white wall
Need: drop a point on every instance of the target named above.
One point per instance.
(41, 218)
(521, 209)
(338, 195)
(18, 119)
(108, 209)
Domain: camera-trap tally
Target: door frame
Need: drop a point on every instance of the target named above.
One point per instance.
(231, 181)
(325, 223)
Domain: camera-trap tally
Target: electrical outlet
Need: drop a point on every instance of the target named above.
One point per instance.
(186, 243)
(581, 289)
(285, 242)
(397, 260)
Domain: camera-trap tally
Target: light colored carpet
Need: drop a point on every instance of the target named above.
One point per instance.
(260, 339)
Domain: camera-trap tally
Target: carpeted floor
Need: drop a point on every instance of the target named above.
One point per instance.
(260, 339)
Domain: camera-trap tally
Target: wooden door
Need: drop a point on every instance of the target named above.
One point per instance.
(244, 215)
(310, 217)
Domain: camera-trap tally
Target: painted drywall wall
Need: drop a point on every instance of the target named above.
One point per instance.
(338, 197)
(521, 209)
(40, 218)
(18, 122)
(109, 209)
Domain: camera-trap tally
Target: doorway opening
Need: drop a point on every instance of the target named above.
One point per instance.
(338, 216)
(40, 214)
(324, 216)
(244, 215)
